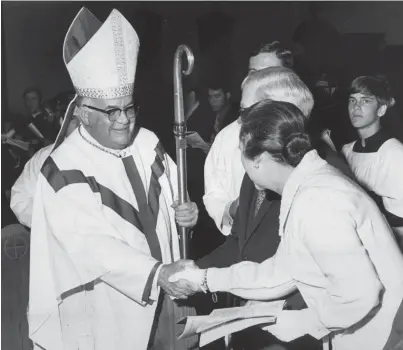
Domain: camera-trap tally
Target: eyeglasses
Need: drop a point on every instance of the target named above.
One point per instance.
(113, 114)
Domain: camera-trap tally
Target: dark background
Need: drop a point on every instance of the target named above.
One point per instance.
(221, 35)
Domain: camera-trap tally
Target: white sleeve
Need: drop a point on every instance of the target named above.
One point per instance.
(92, 245)
(250, 280)
(23, 191)
(216, 199)
(390, 177)
(353, 287)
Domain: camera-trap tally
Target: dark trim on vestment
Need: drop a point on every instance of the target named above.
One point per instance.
(372, 143)
(144, 220)
(59, 179)
(149, 283)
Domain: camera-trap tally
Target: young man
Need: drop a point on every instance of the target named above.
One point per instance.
(208, 122)
(376, 158)
(104, 239)
(224, 110)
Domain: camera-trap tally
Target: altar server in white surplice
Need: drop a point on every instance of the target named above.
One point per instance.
(376, 158)
(104, 239)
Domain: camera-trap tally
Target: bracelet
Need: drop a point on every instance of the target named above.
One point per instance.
(204, 285)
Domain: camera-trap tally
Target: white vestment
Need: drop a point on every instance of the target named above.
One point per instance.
(223, 175)
(93, 268)
(338, 250)
(23, 190)
(380, 170)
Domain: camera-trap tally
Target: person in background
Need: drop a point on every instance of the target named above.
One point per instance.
(336, 247)
(9, 175)
(104, 237)
(41, 121)
(273, 54)
(376, 158)
(59, 104)
(223, 171)
(225, 110)
(23, 190)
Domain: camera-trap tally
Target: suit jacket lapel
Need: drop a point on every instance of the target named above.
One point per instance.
(247, 199)
(255, 221)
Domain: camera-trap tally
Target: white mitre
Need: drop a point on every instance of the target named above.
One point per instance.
(101, 58)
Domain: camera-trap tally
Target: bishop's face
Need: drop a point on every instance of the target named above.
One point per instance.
(111, 122)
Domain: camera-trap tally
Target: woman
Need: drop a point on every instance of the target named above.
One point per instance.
(336, 247)
(376, 158)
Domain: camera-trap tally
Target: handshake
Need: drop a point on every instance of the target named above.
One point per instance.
(181, 279)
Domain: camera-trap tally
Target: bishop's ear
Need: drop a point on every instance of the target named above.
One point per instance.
(83, 115)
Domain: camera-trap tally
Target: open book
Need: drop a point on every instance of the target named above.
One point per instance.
(222, 322)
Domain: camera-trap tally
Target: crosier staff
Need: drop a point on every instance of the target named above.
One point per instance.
(180, 132)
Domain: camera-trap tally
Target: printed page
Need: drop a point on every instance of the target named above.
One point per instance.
(270, 308)
(199, 324)
(232, 327)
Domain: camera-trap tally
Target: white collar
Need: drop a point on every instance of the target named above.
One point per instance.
(120, 153)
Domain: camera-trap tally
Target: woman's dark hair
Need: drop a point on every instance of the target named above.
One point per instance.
(278, 128)
(377, 86)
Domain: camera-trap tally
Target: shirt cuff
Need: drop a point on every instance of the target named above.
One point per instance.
(227, 220)
(151, 289)
(218, 280)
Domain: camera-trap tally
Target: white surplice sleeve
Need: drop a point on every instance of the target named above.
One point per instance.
(250, 280)
(390, 176)
(90, 247)
(328, 231)
(216, 198)
(23, 190)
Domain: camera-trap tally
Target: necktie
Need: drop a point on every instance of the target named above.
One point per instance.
(216, 128)
(259, 200)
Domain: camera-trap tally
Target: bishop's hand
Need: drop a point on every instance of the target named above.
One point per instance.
(180, 289)
(186, 214)
(193, 276)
